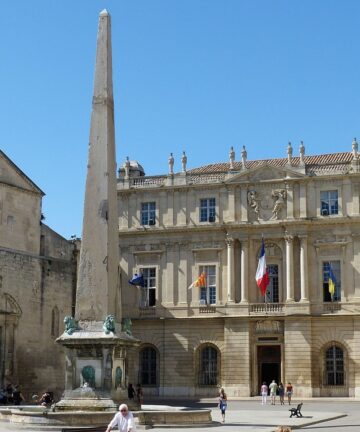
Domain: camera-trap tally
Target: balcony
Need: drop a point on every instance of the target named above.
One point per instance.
(331, 307)
(267, 308)
(146, 311)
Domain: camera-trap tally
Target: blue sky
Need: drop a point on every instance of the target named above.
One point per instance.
(193, 75)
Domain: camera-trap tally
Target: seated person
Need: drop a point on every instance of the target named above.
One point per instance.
(46, 399)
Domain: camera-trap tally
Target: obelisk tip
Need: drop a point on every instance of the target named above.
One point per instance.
(104, 12)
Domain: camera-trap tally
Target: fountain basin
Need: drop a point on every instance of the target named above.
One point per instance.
(42, 417)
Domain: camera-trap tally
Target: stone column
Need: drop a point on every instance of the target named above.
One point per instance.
(230, 269)
(303, 270)
(289, 268)
(244, 271)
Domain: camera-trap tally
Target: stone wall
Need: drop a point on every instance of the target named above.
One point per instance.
(43, 290)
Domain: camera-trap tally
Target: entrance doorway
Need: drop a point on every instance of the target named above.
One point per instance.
(269, 364)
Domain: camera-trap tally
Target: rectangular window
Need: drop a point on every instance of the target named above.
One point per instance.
(207, 210)
(334, 266)
(148, 213)
(208, 292)
(148, 292)
(272, 291)
(329, 202)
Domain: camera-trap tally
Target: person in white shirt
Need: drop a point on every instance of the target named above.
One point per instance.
(123, 419)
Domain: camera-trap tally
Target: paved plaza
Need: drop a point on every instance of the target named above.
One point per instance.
(319, 415)
(249, 415)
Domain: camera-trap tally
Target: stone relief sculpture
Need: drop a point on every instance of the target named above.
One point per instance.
(118, 377)
(279, 196)
(88, 374)
(253, 202)
(268, 327)
(70, 325)
(109, 324)
(126, 327)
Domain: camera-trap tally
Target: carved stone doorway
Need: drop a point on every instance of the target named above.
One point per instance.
(269, 364)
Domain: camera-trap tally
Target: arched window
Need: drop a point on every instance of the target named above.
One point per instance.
(148, 366)
(55, 322)
(208, 366)
(334, 366)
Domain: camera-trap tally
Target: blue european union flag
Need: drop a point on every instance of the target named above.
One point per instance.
(137, 280)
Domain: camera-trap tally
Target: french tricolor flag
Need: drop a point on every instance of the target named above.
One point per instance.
(262, 275)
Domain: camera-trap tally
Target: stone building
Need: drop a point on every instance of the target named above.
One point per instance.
(222, 331)
(37, 282)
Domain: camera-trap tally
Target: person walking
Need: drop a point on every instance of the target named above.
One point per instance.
(264, 392)
(123, 419)
(222, 403)
(139, 394)
(273, 389)
(131, 392)
(289, 391)
(17, 396)
(281, 393)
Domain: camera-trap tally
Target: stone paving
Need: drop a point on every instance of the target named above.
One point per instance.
(320, 415)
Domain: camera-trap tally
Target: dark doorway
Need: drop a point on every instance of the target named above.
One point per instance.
(269, 372)
(269, 362)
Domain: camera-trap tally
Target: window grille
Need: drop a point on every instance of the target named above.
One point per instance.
(334, 367)
(208, 366)
(148, 366)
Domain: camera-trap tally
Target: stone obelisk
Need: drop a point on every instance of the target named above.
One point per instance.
(97, 282)
(96, 343)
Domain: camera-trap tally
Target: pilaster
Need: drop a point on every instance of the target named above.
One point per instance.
(289, 268)
(244, 270)
(230, 269)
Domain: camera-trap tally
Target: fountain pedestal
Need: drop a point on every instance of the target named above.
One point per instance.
(95, 367)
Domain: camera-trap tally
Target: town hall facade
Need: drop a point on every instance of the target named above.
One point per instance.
(211, 220)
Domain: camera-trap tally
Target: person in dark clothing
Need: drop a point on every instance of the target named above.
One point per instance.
(3, 398)
(131, 392)
(17, 396)
(9, 394)
(139, 394)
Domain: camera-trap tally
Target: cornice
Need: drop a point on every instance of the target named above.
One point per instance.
(21, 189)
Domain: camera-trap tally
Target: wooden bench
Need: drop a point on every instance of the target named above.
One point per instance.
(296, 411)
(85, 429)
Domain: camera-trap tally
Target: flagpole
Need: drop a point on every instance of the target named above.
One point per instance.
(266, 303)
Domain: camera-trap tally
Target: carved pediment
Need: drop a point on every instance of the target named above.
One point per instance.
(265, 173)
